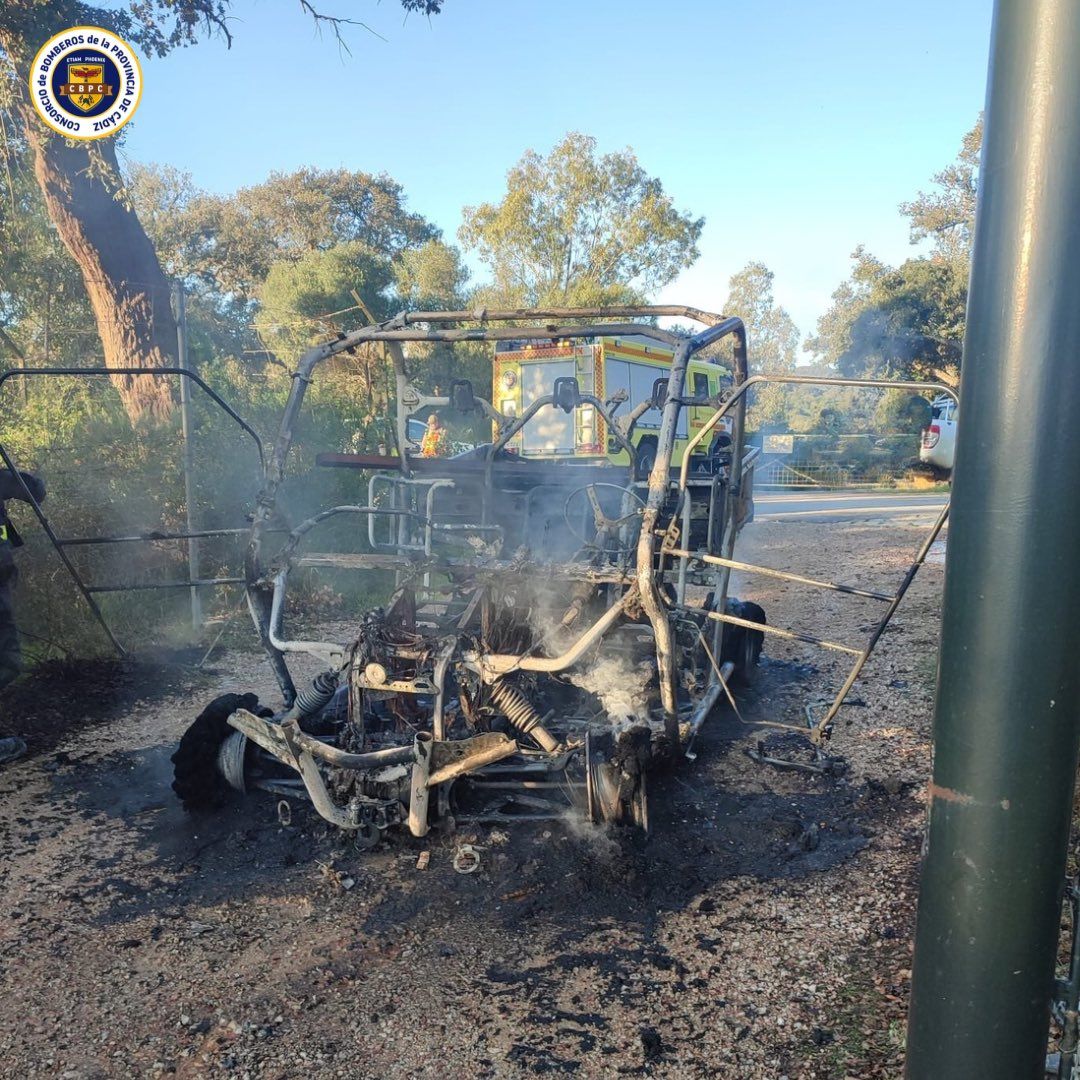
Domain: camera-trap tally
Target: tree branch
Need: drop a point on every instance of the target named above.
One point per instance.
(7, 340)
(336, 22)
(944, 376)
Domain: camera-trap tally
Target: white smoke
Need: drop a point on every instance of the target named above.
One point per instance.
(618, 683)
(620, 687)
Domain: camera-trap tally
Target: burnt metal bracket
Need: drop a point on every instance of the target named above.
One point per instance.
(433, 763)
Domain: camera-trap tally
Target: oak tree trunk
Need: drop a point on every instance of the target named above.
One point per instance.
(128, 290)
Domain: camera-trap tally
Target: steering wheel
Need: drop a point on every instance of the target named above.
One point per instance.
(606, 528)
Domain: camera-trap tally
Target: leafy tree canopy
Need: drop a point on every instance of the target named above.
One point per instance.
(232, 241)
(45, 316)
(244, 251)
(122, 276)
(311, 299)
(946, 215)
(430, 277)
(902, 412)
(908, 321)
(578, 228)
(905, 322)
(772, 336)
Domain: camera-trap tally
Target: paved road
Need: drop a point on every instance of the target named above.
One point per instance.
(844, 505)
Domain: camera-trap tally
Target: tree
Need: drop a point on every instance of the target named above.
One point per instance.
(231, 241)
(80, 182)
(772, 335)
(905, 322)
(234, 251)
(44, 312)
(947, 216)
(166, 201)
(908, 322)
(830, 421)
(429, 277)
(311, 299)
(849, 300)
(576, 228)
(164, 198)
(901, 412)
(227, 247)
(128, 293)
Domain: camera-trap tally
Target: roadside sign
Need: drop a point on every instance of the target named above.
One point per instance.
(779, 444)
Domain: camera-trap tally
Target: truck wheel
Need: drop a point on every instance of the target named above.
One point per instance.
(196, 779)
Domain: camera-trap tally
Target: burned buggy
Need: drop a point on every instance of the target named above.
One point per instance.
(557, 627)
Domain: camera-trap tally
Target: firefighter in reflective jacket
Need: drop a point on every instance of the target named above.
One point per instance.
(10, 653)
(435, 442)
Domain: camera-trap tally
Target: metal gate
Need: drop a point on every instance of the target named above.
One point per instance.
(90, 591)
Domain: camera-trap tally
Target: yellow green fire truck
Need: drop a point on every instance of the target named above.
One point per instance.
(525, 371)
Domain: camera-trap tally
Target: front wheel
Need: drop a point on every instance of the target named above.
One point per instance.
(196, 779)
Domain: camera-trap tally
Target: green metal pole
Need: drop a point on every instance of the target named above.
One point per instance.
(1008, 697)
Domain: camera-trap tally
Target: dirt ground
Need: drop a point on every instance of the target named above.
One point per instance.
(762, 930)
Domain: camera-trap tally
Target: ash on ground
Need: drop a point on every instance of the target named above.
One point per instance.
(762, 930)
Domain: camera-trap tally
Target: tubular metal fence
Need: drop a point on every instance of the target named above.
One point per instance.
(827, 476)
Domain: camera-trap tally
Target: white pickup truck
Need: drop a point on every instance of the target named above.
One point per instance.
(938, 445)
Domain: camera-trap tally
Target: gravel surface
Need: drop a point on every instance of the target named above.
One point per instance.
(762, 930)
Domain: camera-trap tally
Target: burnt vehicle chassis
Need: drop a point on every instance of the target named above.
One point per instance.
(554, 631)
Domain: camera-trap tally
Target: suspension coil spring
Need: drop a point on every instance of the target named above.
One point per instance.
(316, 696)
(517, 708)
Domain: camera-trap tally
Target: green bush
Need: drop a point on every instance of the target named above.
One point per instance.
(106, 477)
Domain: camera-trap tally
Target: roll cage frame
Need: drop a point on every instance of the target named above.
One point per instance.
(551, 324)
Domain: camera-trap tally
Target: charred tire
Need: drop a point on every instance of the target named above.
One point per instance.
(196, 780)
(646, 458)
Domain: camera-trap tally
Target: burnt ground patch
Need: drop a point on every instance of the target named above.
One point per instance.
(63, 696)
(759, 931)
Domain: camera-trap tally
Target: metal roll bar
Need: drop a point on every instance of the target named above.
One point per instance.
(554, 324)
(659, 480)
(495, 664)
(823, 727)
(329, 652)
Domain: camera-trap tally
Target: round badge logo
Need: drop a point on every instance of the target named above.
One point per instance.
(85, 82)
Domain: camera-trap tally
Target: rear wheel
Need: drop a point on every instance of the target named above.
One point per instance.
(746, 647)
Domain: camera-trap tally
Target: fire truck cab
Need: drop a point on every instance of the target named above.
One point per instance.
(626, 368)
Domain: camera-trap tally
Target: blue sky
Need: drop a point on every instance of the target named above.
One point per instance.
(794, 127)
